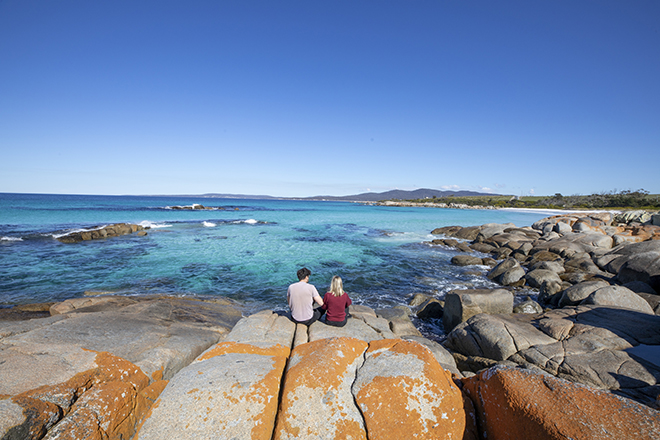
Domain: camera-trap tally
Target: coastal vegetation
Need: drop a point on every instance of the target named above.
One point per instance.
(626, 199)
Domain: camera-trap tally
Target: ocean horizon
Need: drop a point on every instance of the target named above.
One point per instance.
(247, 250)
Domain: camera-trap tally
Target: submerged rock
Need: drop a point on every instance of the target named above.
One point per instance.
(466, 260)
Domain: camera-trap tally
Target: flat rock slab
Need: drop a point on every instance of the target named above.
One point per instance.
(316, 398)
(354, 328)
(161, 334)
(514, 403)
(635, 327)
(404, 393)
(28, 366)
(264, 329)
(230, 392)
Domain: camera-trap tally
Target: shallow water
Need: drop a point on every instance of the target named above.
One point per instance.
(247, 250)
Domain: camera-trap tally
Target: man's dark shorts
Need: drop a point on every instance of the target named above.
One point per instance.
(318, 312)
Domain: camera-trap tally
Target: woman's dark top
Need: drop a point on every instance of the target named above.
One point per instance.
(336, 306)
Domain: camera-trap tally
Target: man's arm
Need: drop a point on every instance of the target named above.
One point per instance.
(316, 296)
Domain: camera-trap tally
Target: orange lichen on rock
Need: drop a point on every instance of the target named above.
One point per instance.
(267, 391)
(112, 368)
(229, 392)
(104, 412)
(237, 347)
(97, 403)
(403, 392)
(157, 375)
(148, 397)
(316, 397)
(513, 403)
(39, 417)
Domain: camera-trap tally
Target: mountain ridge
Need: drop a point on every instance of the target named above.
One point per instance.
(421, 193)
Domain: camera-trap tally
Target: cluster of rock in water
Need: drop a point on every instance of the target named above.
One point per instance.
(197, 207)
(100, 232)
(113, 367)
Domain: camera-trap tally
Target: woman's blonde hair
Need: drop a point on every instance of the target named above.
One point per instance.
(336, 286)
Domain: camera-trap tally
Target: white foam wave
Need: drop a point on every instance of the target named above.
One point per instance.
(11, 239)
(152, 225)
(402, 237)
(209, 224)
(193, 207)
(250, 221)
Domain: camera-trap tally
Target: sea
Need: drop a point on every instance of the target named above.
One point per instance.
(247, 250)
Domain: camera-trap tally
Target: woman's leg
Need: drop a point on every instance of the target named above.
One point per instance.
(336, 323)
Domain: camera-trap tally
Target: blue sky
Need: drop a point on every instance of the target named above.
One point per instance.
(302, 98)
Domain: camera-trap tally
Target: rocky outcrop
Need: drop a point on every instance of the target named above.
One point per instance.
(563, 256)
(171, 369)
(100, 232)
(602, 275)
(618, 296)
(466, 260)
(495, 337)
(588, 345)
(107, 367)
(94, 368)
(328, 386)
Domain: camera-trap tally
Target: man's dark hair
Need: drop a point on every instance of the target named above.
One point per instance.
(303, 273)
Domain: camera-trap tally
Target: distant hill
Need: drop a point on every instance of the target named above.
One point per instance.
(395, 194)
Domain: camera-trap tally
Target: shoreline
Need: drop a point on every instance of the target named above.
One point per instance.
(560, 211)
(553, 211)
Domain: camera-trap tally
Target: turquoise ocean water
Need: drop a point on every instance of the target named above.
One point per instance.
(248, 251)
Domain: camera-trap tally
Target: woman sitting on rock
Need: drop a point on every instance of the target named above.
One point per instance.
(336, 302)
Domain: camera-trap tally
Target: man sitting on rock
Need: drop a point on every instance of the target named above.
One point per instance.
(301, 297)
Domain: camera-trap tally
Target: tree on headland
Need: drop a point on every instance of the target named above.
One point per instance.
(625, 199)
